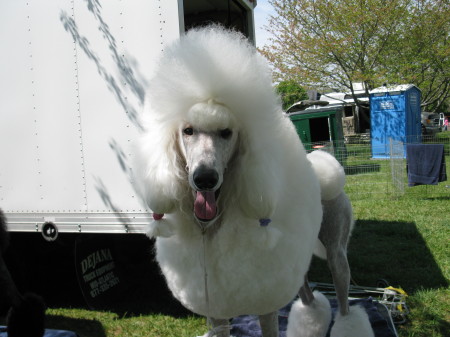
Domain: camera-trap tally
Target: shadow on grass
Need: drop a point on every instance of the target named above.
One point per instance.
(83, 327)
(437, 198)
(393, 251)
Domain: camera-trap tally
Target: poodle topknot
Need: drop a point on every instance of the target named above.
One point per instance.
(204, 76)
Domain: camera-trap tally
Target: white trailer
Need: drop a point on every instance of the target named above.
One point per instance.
(73, 78)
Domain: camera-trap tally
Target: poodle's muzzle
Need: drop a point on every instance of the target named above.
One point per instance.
(207, 152)
(206, 182)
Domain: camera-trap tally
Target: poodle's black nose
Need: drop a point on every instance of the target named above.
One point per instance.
(205, 178)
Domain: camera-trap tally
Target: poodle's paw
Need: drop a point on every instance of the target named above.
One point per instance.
(309, 320)
(355, 323)
(159, 228)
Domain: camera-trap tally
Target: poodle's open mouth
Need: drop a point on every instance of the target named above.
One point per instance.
(205, 206)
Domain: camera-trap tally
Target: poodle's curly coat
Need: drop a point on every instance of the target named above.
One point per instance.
(247, 268)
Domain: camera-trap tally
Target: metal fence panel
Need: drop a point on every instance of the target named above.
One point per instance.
(380, 178)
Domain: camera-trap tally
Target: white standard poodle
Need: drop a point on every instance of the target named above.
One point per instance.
(236, 203)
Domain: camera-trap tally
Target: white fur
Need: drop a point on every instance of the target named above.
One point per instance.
(320, 250)
(161, 228)
(309, 320)
(355, 323)
(331, 174)
(248, 269)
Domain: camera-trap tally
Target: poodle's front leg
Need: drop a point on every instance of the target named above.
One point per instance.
(269, 324)
(220, 328)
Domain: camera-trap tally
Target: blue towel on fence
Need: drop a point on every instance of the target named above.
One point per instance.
(248, 326)
(48, 333)
(425, 164)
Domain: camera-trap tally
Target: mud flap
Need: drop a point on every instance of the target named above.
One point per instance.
(99, 271)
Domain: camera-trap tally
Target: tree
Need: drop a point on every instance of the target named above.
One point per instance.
(335, 43)
(290, 93)
(425, 54)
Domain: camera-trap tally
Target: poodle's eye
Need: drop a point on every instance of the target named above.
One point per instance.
(225, 133)
(188, 131)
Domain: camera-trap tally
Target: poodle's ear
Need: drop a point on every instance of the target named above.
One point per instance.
(158, 168)
(256, 180)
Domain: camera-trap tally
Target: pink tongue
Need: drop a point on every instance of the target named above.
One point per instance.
(205, 205)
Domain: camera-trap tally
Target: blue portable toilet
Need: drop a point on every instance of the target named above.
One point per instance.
(394, 113)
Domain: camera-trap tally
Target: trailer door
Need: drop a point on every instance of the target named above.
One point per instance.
(74, 77)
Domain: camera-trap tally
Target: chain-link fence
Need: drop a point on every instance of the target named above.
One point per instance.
(378, 178)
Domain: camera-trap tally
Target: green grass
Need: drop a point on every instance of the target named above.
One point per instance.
(410, 237)
(406, 242)
(88, 323)
(402, 239)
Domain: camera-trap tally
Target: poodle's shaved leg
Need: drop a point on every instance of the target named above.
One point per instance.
(340, 271)
(269, 324)
(220, 327)
(306, 293)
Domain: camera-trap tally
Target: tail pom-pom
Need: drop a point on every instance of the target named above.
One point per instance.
(161, 228)
(330, 173)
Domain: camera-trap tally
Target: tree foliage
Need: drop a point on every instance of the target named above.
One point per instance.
(335, 43)
(290, 92)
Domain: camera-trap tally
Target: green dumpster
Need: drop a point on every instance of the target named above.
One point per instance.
(321, 128)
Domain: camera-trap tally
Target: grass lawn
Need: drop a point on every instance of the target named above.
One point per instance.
(404, 240)
(88, 323)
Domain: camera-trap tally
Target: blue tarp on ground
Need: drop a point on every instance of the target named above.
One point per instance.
(48, 333)
(248, 326)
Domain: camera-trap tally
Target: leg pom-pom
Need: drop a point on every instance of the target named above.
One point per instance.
(162, 228)
(355, 323)
(309, 320)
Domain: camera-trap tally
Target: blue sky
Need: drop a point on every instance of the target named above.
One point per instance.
(262, 12)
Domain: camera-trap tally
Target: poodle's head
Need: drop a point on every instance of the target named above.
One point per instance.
(211, 115)
(207, 139)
